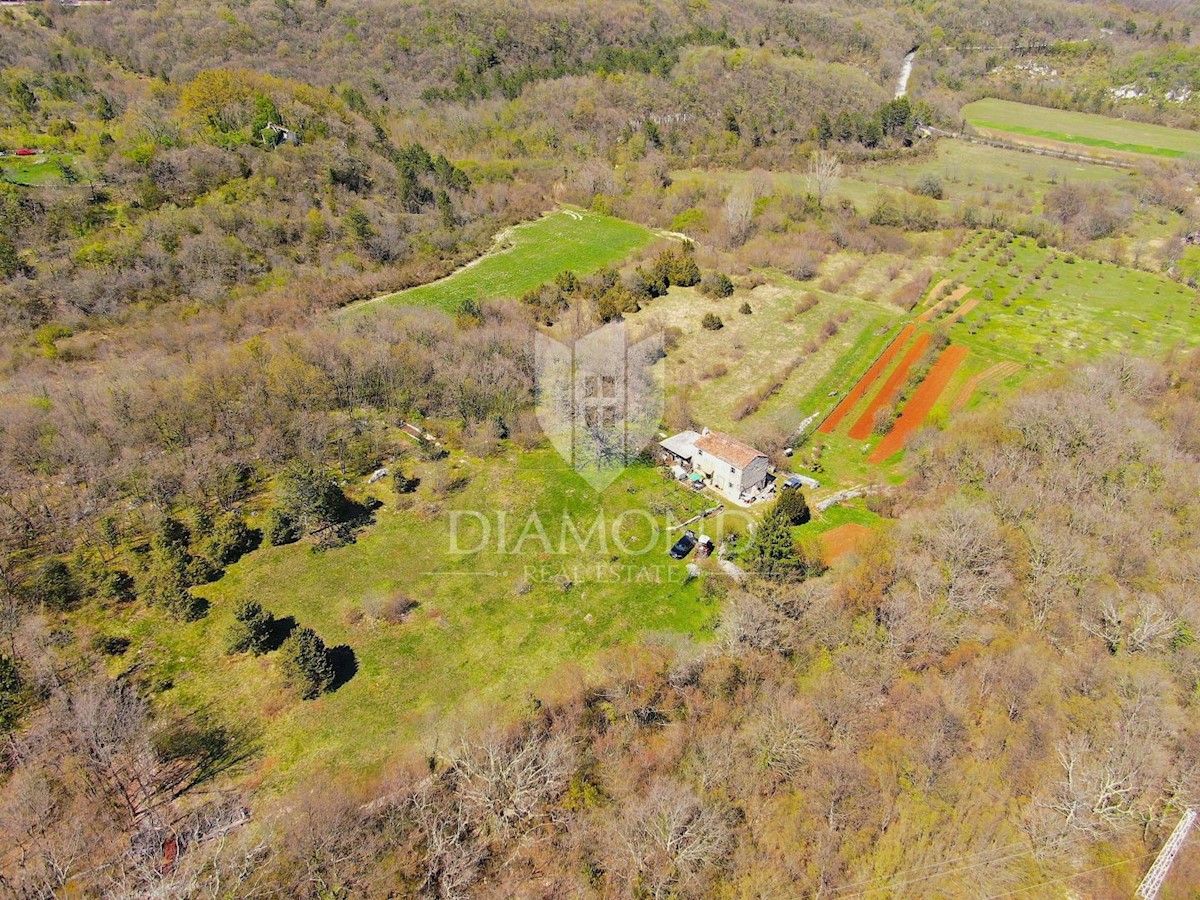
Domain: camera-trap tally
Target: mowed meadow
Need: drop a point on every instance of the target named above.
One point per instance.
(1038, 124)
(527, 256)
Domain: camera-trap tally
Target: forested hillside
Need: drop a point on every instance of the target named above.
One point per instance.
(225, 667)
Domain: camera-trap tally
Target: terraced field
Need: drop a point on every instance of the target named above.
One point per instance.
(1007, 308)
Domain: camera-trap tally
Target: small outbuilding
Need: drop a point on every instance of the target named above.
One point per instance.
(679, 449)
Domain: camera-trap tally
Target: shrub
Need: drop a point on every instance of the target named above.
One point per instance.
(745, 309)
(885, 418)
(281, 528)
(228, 540)
(304, 661)
(12, 693)
(715, 284)
(110, 645)
(712, 322)
(312, 497)
(250, 629)
(55, 585)
(404, 484)
(807, 302)
(396, 608)
(929, 185)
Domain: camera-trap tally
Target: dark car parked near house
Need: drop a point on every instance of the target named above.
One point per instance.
(684, 545)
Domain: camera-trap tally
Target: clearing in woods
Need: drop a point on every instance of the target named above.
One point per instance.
(1022, 122)
(493, 628)
(527, 256)
(36, 171)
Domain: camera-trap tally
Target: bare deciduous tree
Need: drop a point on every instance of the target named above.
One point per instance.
(739, 214)
(824, 173)
(670, 839)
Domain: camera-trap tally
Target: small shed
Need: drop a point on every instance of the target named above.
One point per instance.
(679, 449)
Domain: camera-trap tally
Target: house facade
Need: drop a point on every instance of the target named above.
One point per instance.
(732, 468)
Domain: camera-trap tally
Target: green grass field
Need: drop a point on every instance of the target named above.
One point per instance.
(1082, 129)
(1004, 180)
(493, 628)
(33, 171)
(528, 256)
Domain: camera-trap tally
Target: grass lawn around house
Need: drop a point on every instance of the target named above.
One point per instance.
(492, 629)
(527, 256)
(1083, 129)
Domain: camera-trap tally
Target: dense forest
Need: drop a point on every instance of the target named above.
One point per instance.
(1007, 676)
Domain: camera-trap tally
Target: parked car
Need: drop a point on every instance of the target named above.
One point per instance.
(684, 545)
(792, 484)
(25, 151)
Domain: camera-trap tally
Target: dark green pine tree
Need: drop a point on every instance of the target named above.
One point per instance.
(250, 630)
(305, 663)
(772, 552)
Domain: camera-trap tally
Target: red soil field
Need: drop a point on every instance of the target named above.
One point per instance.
(921, 402)
(837, 542)
(862, 428)
(835, 418)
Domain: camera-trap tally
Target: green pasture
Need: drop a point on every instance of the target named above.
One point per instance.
(493, 628)
(33, 171)
(990, 178)
(529, 255)
(1083, 129)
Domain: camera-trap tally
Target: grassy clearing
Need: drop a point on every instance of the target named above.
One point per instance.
(1006, 181)
(33, 171)
(528, 256)
(1082, 129)
(852, 512)
(492, 630)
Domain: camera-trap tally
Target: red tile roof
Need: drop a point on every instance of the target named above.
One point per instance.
(728, 449)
